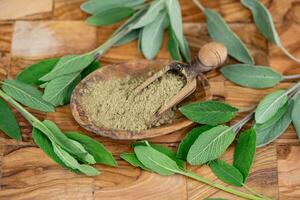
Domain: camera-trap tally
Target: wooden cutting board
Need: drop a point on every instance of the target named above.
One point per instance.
(31, 30)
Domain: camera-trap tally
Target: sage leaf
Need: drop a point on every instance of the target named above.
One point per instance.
(152, 36)
(96, 6)
(209, 112)
(27, 95)
(92, 67)
(69, 65)
(46, 146)
(110, 16)
(71, 162)
(131, 36)
(296, 114)
(58, 91)
(219, 31)
(93, 147)
(227, 173)
(269, 106)
(173, 45)
(8, 122)
(189, 140)
(34, 72)
(156, 161)
(210, 145)
(151, 14)
(133, 160)
(268, 135)
(244, 152)
(88, 158)
(252, 76)
(174, 12)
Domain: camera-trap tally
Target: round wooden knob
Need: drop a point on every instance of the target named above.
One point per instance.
(212, 54)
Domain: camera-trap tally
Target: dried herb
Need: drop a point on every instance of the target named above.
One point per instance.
(8, 122)
(209, 112)
(295, 114)
(252, 76)
(264, 22)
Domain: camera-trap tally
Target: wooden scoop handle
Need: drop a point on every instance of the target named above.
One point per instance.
(212, 54)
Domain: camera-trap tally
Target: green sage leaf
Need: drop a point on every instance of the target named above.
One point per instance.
(69, 65)
(227, 173)
(96, 6)
(152, 36)
(174, 11)
(110, 16)
(219, 31)
(93, 147)
(151, 14)
(209, 112)
(71, 162)
(131, 36)
(244, 152)
(210, 145)
(34, 72)
(27, 95)
(251, 76)
(189, 140)
(268, 135)
(133, 160)
(58, 91)
(156, 161)
(46, 146)
(8, 122)
(88, 158)
(173, 45)
(92, 67)
(296, 114)
(270, 105)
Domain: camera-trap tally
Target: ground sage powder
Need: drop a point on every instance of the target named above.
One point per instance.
(111, 103)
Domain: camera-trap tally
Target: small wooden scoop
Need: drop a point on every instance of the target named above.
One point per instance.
(211, 56)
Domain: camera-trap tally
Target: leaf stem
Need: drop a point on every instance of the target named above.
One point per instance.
(237, 126)
(199, 5)
(294, 88)
(291, 77)
(19, 108)
(219, 186)
(289, 54)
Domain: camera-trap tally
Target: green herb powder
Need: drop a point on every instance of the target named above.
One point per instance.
(111, 103)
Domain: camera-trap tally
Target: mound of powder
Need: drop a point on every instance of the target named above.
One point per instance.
(111, 103)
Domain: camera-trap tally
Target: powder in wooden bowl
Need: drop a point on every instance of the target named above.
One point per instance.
(111, 103)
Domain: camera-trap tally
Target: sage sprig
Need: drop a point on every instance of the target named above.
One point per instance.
(219, 31)
(264, 22)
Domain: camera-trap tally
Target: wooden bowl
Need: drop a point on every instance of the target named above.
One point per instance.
(132, 68)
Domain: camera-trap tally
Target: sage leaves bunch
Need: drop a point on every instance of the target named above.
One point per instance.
(264, 22)
(147, 22)
(73, 151)
(147, 157)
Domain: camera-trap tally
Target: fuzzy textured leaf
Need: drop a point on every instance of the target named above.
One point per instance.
(268, 135)
(95, 148)
(219, 31)
(210, 145)
(34, 72)
(58, 91)
(209, 112)
(133, 160)
(69, 65)
(173, 45)
(8, 122)
(131, 36)
(227, 173)
(263, 20)
(270, 105)
(296, 114)
(96, 6)
(27, 95)
(244, 152)
(152, 36)
(46, 146)
(251, 76)
(110, 16)
(155, 160)
(189, 140)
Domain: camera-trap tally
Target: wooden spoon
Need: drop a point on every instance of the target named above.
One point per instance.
(132, 68)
